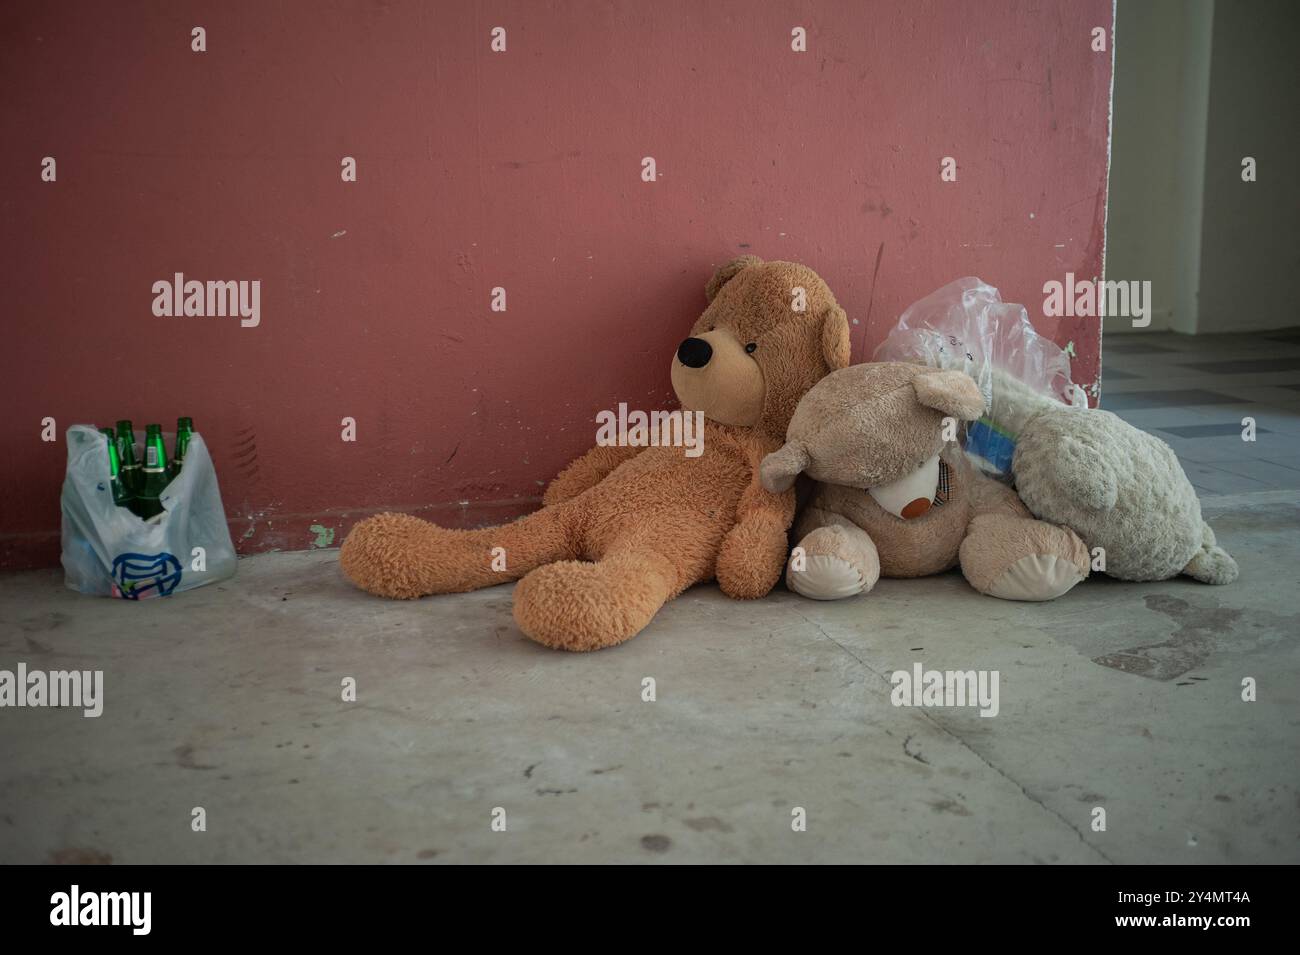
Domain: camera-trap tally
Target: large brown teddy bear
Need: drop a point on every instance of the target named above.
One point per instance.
(896, 497)
(623, 530)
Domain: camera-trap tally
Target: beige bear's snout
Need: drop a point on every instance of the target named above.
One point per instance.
(713, 373)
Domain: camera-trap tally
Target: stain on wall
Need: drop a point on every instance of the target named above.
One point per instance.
(478, 170)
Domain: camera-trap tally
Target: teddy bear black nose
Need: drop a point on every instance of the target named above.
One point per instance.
(694, 352)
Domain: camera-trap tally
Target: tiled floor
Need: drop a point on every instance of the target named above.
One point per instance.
(1195, 391)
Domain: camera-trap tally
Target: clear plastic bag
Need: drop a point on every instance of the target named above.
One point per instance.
(110, 552)
(966, 326)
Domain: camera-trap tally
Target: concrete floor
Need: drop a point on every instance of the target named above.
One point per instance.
(229, 698)
(1121, 696)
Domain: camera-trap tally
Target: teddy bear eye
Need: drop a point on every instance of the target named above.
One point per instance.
(751, 347)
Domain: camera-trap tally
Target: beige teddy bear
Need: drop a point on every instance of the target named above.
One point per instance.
(896, 497)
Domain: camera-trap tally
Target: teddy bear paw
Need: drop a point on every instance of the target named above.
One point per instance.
(1037, 577)
(1019, 558)
(388, 554)
(825, 577)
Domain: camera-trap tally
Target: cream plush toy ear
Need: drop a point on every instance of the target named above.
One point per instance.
(781, 467)
(952, 392)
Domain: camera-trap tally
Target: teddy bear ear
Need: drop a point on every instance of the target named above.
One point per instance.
(781, 467)
(727, 273)
(835, 338)
(952, 392)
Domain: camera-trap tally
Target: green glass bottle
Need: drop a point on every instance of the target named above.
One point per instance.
(154, 475)
(184, 428)
(121, 496)
(126, 456)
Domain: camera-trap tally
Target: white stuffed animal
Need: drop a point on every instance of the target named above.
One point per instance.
(1117, 487)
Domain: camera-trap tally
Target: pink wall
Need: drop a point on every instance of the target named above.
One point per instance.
(476, 170)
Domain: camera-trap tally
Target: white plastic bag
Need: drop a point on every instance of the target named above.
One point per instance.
(966, 326)
(108, 551)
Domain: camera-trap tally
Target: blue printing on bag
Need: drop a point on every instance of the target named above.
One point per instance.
(138, 574)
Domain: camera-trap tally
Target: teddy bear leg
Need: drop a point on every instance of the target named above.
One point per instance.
(1020, 558)
(581, 605)
(993, 497)
(397, 555)
(838, 559)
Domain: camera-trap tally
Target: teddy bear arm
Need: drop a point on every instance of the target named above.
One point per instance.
(586, 472)
(753, 552)
(758, 504)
